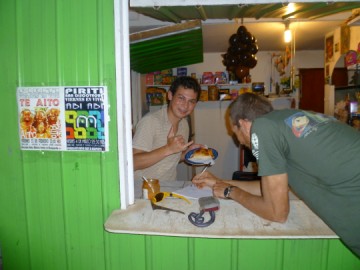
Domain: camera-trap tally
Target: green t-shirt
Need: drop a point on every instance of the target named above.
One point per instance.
(322, 159)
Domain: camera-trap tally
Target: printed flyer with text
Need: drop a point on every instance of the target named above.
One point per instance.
(63, 118)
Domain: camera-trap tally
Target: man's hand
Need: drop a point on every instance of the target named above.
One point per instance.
(191, 147)
(176, 143)
(194, 146)
(218, 189)
(205, 179)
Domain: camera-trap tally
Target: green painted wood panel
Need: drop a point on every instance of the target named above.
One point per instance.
(166, 52)
(53, 204)
(61, 199)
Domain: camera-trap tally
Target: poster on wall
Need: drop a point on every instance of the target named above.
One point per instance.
(63, 118)
(344, 38)
(329, 48)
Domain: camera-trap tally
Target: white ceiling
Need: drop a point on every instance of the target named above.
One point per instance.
(309, 35)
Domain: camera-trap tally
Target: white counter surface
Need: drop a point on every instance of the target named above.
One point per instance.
(232, 221)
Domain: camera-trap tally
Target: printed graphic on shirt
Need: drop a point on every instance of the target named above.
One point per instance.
(255, 145)
(303, 123)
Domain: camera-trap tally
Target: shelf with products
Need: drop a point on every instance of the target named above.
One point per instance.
(217, 84)
(156, 94)
(342, 103)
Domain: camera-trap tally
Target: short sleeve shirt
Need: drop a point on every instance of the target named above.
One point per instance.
(151, 133)
(322, 159)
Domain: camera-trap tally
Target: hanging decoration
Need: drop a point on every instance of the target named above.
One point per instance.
(240, 56)
(281, 61)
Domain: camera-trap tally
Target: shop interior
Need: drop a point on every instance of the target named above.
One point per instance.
(287, 59)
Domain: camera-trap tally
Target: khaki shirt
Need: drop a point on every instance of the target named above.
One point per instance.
(151, 133)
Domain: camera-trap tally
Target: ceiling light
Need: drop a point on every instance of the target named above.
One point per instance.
(287, 36)
(287, 33)
(290, 8)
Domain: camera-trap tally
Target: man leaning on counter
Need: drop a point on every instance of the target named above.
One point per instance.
(316, 155)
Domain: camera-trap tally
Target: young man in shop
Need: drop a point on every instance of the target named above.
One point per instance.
(161, 138)
(317, 156)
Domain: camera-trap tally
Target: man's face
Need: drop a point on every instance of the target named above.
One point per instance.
(242, 134)
(183, 102)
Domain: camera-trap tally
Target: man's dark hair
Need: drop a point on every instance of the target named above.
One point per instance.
(249, 106)
(188, 83)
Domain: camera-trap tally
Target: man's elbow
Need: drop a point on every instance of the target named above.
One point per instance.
(136, 163)
(281, 217)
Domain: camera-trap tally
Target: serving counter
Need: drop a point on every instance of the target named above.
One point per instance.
(232, 220)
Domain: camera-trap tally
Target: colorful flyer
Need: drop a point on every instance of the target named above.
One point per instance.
(63, 118)
(86, 118)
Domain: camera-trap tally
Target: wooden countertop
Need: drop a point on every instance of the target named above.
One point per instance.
(232, 221)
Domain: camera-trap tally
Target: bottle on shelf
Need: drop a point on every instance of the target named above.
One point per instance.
(351, 106)
(347, 108)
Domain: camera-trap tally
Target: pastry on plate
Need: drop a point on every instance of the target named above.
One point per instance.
(202, 155)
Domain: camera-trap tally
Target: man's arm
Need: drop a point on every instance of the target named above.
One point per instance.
(144, 159)
(175, 144)
(268, 198)
(272, 203)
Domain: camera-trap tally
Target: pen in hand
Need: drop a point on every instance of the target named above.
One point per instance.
(207, 166)
(203, 170)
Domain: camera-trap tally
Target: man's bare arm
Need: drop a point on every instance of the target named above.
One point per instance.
(271, 204)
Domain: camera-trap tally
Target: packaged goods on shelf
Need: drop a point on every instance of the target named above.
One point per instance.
(158, 79)
(182, 71)
(244, 89)
(213, 92)
(207, 78)
(167, 80)
(224, 94)
(156, 96)
(149, 79)
(234, 93)
(220, 77)
(168, 72)
(204, 95)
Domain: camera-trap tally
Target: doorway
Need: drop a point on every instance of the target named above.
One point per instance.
(312, 83)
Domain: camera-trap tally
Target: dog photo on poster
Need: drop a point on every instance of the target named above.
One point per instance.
(63, 118)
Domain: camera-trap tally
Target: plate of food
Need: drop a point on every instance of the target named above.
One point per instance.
(201, 156)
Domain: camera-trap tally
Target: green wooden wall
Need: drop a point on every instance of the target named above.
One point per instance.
(53, 204)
